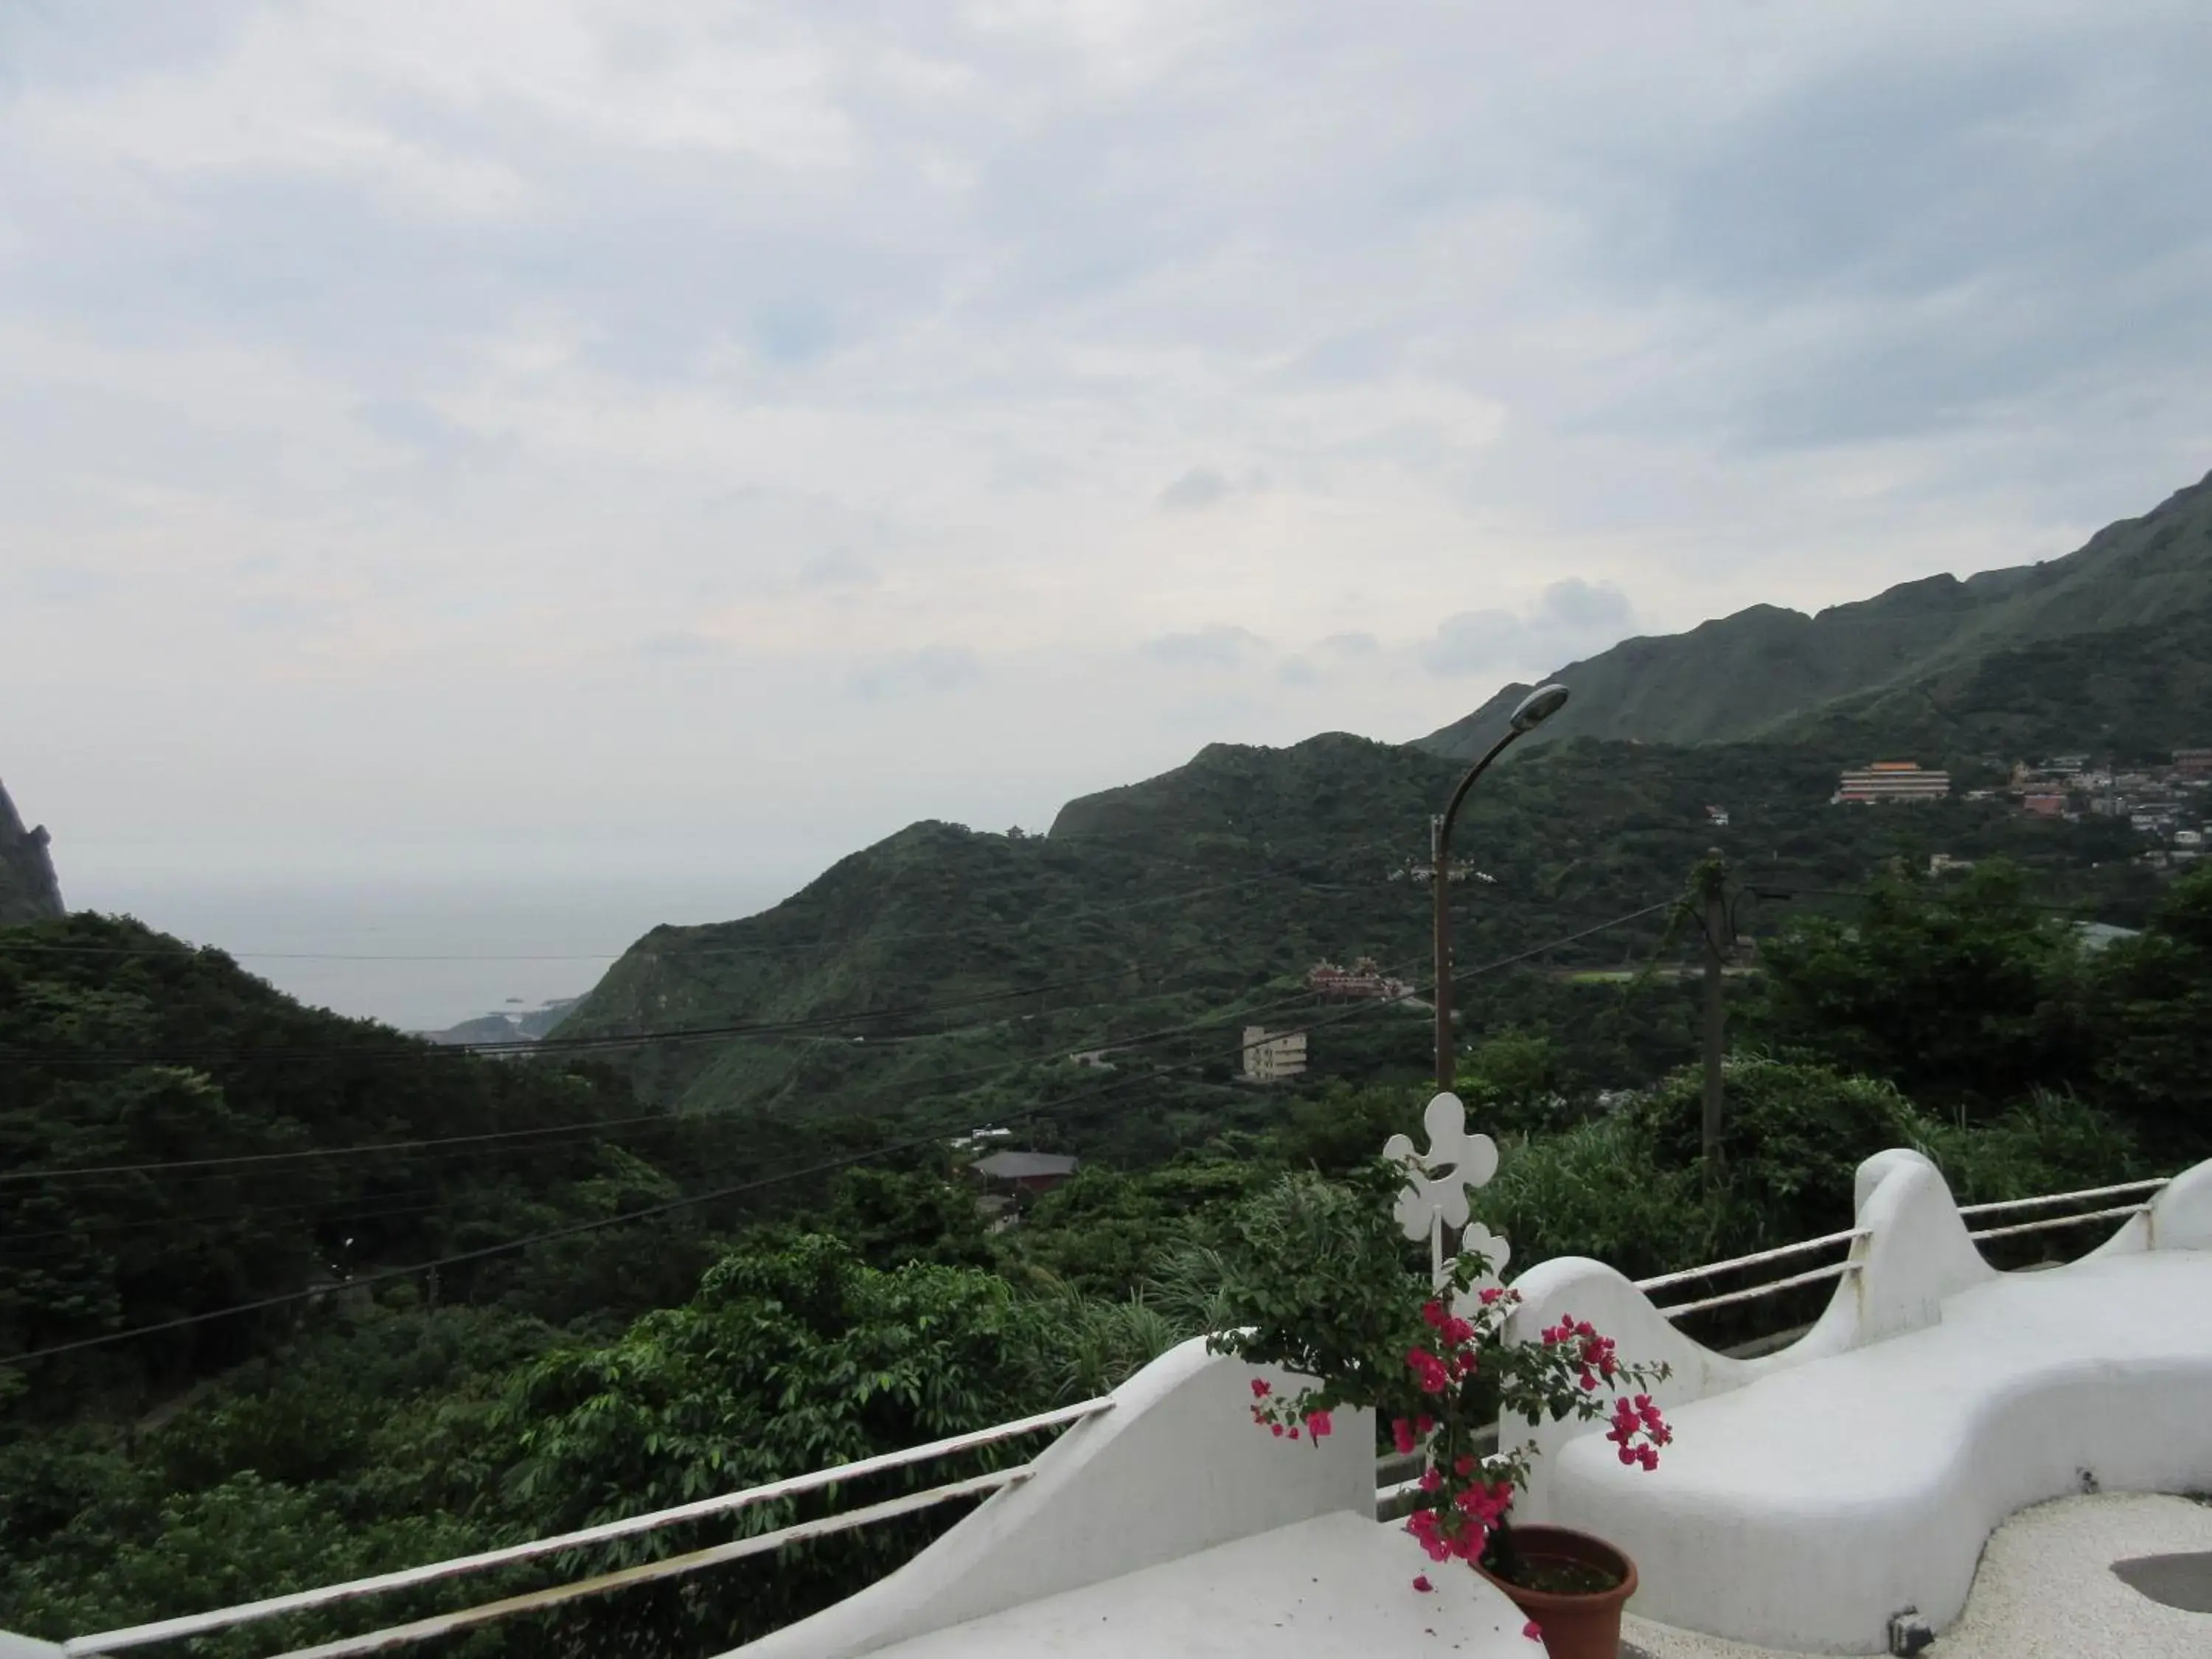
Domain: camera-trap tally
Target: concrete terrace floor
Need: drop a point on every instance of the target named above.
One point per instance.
(1326, 1589)
(2045, 1589)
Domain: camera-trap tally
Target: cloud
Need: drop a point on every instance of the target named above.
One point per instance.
(932, 670)
(1297, 671)
(1471, 641)
(954, 349)
(838, 568)
(1573, 608)
(1219, 648)
(1201, 487)
(679, 644)
(1571, 618)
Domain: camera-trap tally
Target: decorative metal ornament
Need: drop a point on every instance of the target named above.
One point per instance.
(1437, 1182)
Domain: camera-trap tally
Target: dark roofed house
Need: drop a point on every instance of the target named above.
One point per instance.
(1027, 1172)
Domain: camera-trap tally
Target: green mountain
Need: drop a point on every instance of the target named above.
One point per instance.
(28, 890)
(124, 1051)
(952, 972)
(2108, 647)
(946, 973)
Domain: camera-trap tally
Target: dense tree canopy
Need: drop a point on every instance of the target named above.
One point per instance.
(725, 1343)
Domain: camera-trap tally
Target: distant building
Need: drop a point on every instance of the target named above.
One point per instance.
(2067, 764)
(1717, 817)
(1422, 874)
(2043, 804)
(1891, 781)
(1271, 1057)
(1363, 981)
(2098, 935)
(2194, 761)
(1026, 1172)
(1942, 863)
(2193, 839)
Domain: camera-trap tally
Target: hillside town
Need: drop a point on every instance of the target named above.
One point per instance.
(2166, 804)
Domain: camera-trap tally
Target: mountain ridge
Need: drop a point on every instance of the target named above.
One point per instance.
(29, 890)
(1769, 672)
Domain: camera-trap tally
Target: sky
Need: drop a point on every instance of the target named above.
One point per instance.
(547, 446)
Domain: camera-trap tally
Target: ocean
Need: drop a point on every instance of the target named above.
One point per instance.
(422, 956)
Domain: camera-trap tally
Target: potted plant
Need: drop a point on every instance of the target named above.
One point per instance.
(1317, 1282)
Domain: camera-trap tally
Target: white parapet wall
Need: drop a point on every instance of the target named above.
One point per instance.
(1814, 1492)
(1175, 1468)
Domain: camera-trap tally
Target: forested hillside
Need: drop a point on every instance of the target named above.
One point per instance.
(217, 1143)
(1197, 899)
(397, 1418)
(1960, 668)
(286, 1298)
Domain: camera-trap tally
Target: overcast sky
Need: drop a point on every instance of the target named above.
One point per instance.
(449, 439)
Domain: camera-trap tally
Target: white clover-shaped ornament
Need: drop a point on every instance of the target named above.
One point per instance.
(1479, 1240)
(1437, 1182)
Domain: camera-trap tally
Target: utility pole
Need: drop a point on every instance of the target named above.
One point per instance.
(1715, 879)
(1535, 708)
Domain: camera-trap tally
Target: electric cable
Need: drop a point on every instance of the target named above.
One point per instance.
(823, 1167)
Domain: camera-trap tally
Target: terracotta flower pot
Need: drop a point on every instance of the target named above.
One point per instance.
(1585, 1627)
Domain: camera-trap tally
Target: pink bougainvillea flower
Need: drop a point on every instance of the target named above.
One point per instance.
(1421, 1583)
(1278, 1428)
(1533, 1630)
(1402, 1435)
(1317, 1424)
(1260, 1389)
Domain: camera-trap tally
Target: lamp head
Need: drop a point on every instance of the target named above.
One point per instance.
(1539, 706)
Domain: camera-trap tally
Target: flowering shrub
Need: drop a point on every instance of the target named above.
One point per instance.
(1325, 1288)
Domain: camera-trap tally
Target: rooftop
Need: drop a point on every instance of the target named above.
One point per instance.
(1023, 1166)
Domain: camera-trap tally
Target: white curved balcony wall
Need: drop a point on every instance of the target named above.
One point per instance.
(1815, 1491)
(1175, 1468)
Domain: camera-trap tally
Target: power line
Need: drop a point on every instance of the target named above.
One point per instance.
(181, 948)
(668, 1122)
(1761, 890)
(363, 1150)
(660, 1120)
(826, 1167)
(420, 1050)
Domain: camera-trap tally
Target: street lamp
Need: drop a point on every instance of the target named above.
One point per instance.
(1535, 708)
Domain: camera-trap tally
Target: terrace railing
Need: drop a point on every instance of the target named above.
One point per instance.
(2149, 1189)
(1397, 1476)
(201, 1624)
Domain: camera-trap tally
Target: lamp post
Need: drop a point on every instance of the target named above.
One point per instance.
(1535, 708)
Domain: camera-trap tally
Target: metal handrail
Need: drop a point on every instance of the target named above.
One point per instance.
(1661, 1282)
(1996, 1207)
(223, 1618)
(444, 1624)
(2004, 1204)
(1833, 1270)
(2049, 1222)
